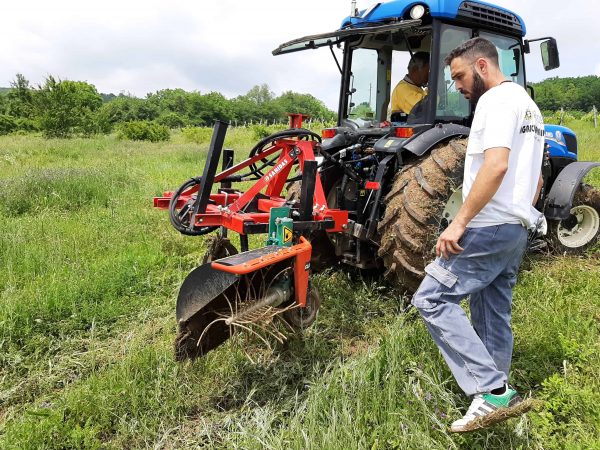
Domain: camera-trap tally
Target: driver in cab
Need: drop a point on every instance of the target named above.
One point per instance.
(411, 89)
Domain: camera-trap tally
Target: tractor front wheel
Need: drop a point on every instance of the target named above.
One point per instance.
(581, 230)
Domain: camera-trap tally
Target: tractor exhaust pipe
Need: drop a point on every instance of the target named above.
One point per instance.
(353, 10)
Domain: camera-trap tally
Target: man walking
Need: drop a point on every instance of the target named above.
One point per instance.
(480, 252)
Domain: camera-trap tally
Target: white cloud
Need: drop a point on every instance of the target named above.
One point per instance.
(223, 45)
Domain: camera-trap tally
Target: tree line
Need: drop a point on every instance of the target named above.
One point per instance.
(62, 108)
(579, 93)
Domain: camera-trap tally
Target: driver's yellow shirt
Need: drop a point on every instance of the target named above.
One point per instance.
(405, 96)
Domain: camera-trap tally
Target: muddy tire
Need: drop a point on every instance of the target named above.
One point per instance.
(218, 247)
(415, 210)
(581, 230)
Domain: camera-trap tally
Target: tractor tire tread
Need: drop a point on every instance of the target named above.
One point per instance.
(411, 221)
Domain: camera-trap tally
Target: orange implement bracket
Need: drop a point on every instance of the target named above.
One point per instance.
(268, 256)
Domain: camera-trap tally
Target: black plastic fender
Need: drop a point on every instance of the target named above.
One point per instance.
(563, 190)
(439, 133)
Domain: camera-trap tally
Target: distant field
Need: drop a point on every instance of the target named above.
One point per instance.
(89, 273)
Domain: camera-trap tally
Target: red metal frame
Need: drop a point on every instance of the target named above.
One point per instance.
(227, 210)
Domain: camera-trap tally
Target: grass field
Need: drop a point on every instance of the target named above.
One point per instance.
(89, 273)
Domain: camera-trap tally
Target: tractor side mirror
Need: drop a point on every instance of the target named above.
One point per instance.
(549, 51)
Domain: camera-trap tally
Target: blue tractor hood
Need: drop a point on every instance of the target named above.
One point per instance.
(443, 9)
(561, 141)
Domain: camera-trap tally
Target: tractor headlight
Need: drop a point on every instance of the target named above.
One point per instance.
(417, 12)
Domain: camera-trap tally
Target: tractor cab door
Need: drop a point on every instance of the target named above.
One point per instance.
(366, 67)
(374, 65)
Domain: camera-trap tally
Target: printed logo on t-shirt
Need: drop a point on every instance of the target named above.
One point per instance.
(537, 128)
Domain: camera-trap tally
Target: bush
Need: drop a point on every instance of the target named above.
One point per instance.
(67, 107)
(28, 125)
(143, 130)
(260, 132)
(198, 135)
(172, 120)
(8, 124)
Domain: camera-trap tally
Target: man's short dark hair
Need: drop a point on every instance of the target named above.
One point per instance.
(418, 60)
(473, 49)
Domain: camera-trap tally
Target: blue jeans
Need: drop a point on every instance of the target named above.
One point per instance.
(478, 352)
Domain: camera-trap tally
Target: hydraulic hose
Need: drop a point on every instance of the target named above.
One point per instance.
(292, 132)
(177, 218)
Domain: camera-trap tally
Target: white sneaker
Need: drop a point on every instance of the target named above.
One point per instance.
(488, 409)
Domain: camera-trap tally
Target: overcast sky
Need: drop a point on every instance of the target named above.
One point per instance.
(139, 47)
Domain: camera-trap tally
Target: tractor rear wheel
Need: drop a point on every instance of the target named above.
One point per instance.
(423, 200)
(581, 230)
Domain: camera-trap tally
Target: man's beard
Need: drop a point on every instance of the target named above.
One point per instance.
(478, 88)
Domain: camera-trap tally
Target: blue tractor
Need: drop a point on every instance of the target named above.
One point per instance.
(416, 160)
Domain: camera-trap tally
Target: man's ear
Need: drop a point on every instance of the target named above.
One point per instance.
(482, 66)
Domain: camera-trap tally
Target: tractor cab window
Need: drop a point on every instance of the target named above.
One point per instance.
(379, 62)
(510, 57)
(363, 84)
(451, 105)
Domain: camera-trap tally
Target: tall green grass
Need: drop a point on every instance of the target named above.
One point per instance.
(89, 273)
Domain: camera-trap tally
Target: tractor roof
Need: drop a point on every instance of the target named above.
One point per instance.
(484, 13)
(395, 15)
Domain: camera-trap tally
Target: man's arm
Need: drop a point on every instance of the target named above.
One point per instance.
(487, 182)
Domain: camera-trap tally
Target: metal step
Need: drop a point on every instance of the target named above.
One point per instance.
(241, 258)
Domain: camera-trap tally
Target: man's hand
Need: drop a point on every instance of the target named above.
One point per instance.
(487, 182)
(448, 240)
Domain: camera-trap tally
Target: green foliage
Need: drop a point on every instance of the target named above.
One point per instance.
(67, 107)
(20, 99)
(142, 130)
(580, 93)
(362, 111)
(28, 125)
(3, 103)
(199, 135)
(205, 109)
(125, 109)
(8, 124)
(292, 102)
(172, 120)
(260, 132)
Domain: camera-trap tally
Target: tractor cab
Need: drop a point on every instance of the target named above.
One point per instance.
(378, 43)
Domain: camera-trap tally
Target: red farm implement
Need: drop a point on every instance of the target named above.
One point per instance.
(236, 291)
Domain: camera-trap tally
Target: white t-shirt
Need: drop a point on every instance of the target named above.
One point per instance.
(506, 116)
